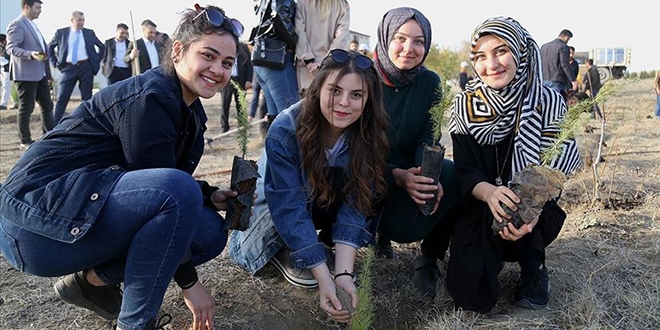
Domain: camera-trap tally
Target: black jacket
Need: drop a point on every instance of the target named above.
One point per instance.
(281, 25)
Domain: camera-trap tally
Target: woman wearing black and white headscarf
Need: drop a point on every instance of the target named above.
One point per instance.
(499, 125)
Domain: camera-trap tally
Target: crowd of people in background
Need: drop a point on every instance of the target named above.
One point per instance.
(340, 169)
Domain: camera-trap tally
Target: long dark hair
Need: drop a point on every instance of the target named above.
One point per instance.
(366, 137)
(191, 30)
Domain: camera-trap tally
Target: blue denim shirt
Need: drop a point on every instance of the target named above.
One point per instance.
(287, 194)
(59, 185)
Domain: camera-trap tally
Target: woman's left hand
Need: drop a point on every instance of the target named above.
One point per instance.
(330, 303)
(202, 306)
(220, 197)
(511, 233)
(346, 283)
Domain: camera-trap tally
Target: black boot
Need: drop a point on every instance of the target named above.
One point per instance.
(426, 275)
(384, 247)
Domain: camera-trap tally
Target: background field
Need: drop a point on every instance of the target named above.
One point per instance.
(603, 267)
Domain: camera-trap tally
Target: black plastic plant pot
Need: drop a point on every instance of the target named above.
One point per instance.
(244, 180)
(432, 167)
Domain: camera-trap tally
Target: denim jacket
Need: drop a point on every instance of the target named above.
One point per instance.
(283, 214)
(59, 185)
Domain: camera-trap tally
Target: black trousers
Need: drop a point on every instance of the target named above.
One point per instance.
(28, 93)
(227, 93)
(119, 74)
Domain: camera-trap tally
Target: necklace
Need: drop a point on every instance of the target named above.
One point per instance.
(498, 180)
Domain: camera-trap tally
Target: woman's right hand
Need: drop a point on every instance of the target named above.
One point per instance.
(420, 188)
(494, 196)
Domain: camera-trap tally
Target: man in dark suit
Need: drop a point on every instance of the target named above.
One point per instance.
(241, 73)
(149, 51)
(72, 52)
(113, 65)
(29, 69)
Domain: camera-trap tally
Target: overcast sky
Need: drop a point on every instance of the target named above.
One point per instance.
(593, 23)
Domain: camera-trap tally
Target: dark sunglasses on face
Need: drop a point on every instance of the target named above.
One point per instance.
(341, 56)
(216, 18)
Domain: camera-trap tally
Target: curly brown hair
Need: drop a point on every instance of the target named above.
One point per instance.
(366, 137)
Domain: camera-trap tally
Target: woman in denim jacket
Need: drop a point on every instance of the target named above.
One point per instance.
(323, 167)
(111, 186)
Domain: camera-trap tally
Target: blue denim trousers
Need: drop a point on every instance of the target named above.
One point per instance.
(153, 221)
(558, 86)
(280, 87)
(657, 107)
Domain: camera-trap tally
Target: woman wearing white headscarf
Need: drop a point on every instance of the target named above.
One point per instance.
(499, 125)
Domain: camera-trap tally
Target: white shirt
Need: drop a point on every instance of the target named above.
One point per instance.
(82, 53)
(36, 30)
(153, 52)
(120, 52)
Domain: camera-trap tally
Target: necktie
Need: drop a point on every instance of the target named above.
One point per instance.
(74, 54)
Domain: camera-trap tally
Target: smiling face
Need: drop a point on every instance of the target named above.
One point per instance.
(205, 67)
(494, 62)
(406, 49)
(342, 101)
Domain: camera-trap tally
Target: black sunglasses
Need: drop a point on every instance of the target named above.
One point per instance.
(341, 56)
(216, 18)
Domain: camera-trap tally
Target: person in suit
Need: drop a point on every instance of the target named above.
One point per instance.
(114, 67)
(148, 50)
(72, 51)
(29, 70)
(241, 73)
(5, 91)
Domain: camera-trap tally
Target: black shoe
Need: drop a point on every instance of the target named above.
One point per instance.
(102, 300)
(384, 248)
(25, 145)
(2, 107)
(426, 275)
(533, 289)
(159, 323)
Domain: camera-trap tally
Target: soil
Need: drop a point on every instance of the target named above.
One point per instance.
(603, 267)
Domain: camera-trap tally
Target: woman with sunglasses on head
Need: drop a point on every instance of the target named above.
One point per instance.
(111, 186)
(322, 169)
(410, 90)
(498, 126)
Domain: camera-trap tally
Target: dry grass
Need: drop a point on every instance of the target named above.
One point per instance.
(603, 267)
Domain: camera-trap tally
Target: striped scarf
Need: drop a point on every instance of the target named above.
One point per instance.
(524, 105)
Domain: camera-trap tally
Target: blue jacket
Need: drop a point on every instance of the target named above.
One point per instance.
(59, 185)
(61, 42)
(290, 204)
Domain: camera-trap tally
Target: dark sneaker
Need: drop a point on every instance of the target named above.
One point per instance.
(533, 289)
(102, 300)
(384, 248)
(302, 278)
(426, 275)
(159, 323)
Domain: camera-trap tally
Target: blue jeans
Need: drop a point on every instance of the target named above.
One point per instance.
(153, 221)
(558, 86)
(657, 107)
(280, 87)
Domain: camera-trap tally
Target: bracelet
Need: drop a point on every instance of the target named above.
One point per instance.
(352, 275)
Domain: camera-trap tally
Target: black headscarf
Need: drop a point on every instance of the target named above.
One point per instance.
(388, 26)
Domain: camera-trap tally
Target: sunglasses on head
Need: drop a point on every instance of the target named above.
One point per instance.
(216, 18)
(341, 56)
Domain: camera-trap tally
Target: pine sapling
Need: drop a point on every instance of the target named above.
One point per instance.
(243, 132)
(366, 312)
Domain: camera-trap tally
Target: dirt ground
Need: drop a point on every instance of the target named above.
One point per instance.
(603, 267)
